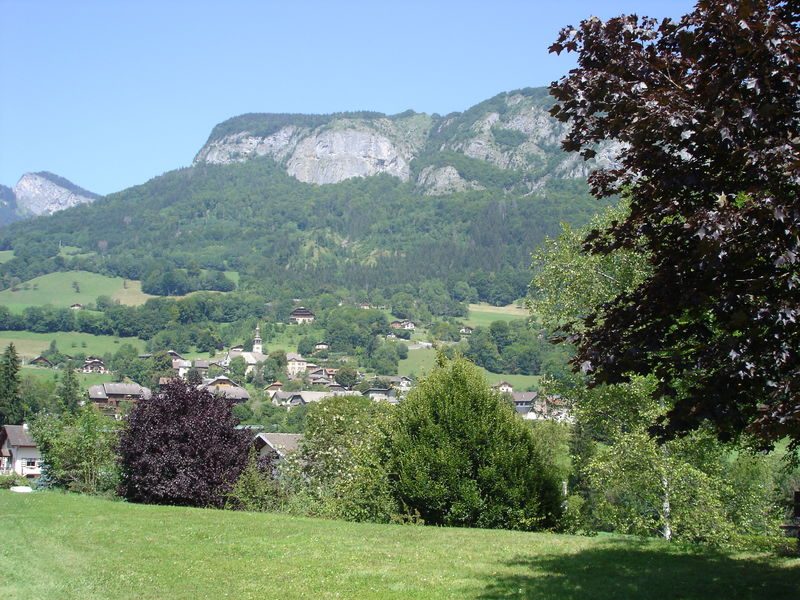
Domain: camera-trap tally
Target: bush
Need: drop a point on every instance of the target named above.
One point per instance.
(182, 447)
(9, 481)
(459, 455)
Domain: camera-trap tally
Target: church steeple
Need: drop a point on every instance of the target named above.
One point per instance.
(257, 347)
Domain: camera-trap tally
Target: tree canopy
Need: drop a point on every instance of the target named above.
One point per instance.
(705, 113)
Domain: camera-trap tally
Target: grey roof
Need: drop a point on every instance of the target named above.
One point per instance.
(229, 391)
(282, 443)
(103, 390)
(18, 435)
(201, 364)
(524, 396)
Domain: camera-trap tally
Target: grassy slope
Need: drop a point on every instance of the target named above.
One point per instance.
(6, 255)
(57, 289)
(85, 379)
(69, 547)
(421, 361)
(482, 315)
(30, 345)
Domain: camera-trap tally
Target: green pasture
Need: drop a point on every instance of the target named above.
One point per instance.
(29, 345)
(74, 547)
(59, 289)
(6, 255)
(482, 315)
(421, 361)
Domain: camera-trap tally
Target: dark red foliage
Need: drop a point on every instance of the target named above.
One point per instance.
(709, 114)
(181, 447)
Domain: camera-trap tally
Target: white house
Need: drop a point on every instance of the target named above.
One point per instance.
(18, 452)
(295, 364)
(504, 387)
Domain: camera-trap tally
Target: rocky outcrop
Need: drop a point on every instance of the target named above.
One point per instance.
(440, 181)
(512, 132)
(44, 193)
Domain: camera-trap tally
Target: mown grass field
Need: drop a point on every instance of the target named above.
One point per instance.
(421, 361)
(29, 344)
(73, 547)
(85, 379)
(482, 315)
(6, 255)
(57, 289)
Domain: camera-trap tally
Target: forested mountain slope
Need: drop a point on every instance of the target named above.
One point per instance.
(394, 225)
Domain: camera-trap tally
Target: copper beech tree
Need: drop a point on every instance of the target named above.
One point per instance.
(707, 116)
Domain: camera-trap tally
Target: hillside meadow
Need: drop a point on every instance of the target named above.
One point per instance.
(59, 289)
(76, 547)
(482, 315)
(29, 344)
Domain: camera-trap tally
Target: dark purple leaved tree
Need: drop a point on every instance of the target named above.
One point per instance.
(181, 447)
(707, 112)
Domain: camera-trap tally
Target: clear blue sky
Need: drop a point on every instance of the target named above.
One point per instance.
(111, 93)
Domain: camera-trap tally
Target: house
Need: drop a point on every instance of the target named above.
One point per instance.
(405, 324)
(110, 396)
(466, 330)
(386, 394)
(321, 346)
(201, 366)
(273, 387)
(524, 404)
(224, 386)
(365, 306)
(503, 387)
(76, 306)
(181, 367)
(41, 361)
(277, 445)
(291, 399)
(92, 364)
(400, 382)
(301, 316)
(295, 365)
(18, 452)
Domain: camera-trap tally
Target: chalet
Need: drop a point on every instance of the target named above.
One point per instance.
(301, 316)
(277, 445)
(321, 346)
(291, 399)
(201, 366)
(181, 367)
(295, 365)
(273, 387)
(524, 404)
(405, 324)
(76, 306)
(110, 396)
(223, 386)
(385, 394)
(401, 383)
(365, 306)
(466, 330)
(18, 452)
(503, 387)
(92, 364)
(41, 361)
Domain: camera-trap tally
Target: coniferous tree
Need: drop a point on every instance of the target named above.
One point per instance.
(11, 409)
(69, 391)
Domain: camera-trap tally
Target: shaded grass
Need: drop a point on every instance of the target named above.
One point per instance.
(6, 255)
(66, 546)
(30, 345)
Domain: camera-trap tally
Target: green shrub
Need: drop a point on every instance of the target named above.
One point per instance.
(9, 481)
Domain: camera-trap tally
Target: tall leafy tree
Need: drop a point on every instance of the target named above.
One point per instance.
(69, 391)
(705, 112)
(459, 455)
(181, 447)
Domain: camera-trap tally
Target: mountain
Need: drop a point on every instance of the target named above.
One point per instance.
(511, 133)
(39, 194)
(444, 207)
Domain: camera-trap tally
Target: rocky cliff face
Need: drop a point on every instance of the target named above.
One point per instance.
(512, 132)
(44, 193)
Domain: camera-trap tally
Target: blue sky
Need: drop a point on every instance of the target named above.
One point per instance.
(112, 93)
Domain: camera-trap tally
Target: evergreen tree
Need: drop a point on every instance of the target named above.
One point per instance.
(11, 409)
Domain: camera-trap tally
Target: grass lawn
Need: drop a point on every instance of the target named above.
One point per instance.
(74, 547)
(6, 255)
(29, 345)
(482, 315)
(421, 361)
(57, 289)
